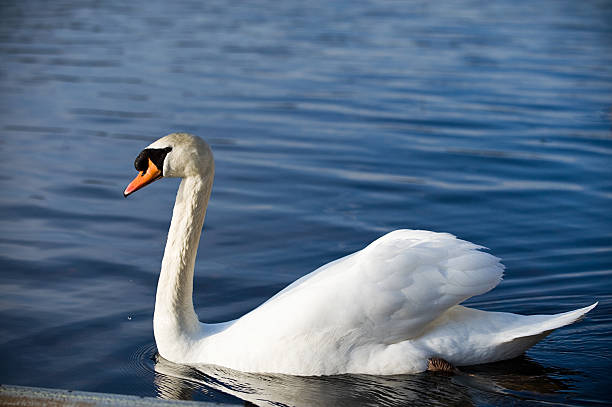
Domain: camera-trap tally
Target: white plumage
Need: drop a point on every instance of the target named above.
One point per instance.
(385, 309)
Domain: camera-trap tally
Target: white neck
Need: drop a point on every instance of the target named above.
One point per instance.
(174, 314)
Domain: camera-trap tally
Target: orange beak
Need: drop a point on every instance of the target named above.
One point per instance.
(143, 179)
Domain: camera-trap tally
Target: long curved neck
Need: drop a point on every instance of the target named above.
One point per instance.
(174, 314)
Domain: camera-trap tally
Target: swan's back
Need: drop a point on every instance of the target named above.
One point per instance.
(386, 293)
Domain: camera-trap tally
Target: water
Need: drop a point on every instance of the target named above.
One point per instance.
(331, 124)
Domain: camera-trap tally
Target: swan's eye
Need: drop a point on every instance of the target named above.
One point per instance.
(142, 161)
(156, 155)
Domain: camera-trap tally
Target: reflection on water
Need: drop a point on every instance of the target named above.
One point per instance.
(522, 377)
(345, 390)
(174, 387)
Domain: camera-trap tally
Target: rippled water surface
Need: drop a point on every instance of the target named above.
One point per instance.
(331, 123)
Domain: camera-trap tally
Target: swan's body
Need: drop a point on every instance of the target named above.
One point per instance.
(385, 309)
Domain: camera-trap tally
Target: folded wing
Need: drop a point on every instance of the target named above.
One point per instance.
(386, 293)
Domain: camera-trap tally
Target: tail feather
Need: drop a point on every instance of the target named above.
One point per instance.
(539, 324)
(516, 341)
(466, 336)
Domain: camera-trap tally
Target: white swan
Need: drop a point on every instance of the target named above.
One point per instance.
(389, 308)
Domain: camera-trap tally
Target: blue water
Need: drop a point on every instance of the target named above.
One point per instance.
(331, 124)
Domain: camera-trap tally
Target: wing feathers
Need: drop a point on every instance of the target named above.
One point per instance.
(389, 291)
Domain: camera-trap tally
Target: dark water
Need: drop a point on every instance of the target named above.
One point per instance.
(331, 123)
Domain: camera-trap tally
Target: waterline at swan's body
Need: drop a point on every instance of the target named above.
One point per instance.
(385, 309)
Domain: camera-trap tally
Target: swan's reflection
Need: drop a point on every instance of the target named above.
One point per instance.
(483, 383)
(172, 388)
(522, 374)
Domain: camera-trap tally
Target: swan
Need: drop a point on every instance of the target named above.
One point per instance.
(390, 308)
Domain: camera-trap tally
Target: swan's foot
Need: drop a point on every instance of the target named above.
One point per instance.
(440, 365)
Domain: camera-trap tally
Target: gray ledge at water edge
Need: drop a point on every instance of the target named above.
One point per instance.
(20, 396)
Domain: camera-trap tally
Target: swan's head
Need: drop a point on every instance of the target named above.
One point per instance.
(177, 155)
